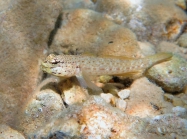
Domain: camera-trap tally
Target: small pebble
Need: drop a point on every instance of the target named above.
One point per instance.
(168, 97)
(109, 98)
(178, 102)
(121, 104)
(179, 111)
(123, 94)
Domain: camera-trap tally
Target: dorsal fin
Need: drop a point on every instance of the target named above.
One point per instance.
(117, 57)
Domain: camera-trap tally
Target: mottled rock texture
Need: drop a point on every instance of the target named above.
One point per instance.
(8, 133)
(84, 30)
(171, 75)
(146, 99)
(150, 20)
(97, 119)
(30, 29)
(172, 48)
(45, 106)
(25, 26)
(182, 41)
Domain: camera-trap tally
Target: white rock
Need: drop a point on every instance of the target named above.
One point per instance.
(123, 94)
(121, 104)
(179, 111)
(107, 97)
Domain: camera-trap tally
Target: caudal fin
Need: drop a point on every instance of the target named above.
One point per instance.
(158, 58)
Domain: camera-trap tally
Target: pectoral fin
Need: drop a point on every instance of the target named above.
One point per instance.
(86, 82)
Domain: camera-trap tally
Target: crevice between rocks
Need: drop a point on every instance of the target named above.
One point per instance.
(54, 31)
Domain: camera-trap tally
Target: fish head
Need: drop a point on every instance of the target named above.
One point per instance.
(55, 65)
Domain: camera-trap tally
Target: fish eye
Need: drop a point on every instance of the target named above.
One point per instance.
(54, 62)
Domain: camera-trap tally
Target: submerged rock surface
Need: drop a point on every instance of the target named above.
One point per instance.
(171, 75)
(36, 105)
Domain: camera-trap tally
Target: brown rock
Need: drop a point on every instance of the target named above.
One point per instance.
(8, 133)
(84, 30)
(24, 30)
(146, 99)
(151, 20)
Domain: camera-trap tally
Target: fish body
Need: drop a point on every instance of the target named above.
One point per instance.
(80, 65)
(72, 65)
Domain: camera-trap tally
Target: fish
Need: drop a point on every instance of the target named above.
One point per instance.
(83, 66)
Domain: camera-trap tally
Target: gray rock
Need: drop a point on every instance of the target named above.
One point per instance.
(151, 21)
(182, 41)
(45, 106)
(24, 31)
(170, 75)
(180, 111)
(8, 133)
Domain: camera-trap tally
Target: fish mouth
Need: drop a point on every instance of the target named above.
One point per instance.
(46, 67)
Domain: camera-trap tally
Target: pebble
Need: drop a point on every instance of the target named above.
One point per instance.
(42, 108)
(123, 94)
(121, 104)
(177, 102)
(8, 133)
(180, 111)
(181, 4)
(72, 91)
(182, 41)
(168, 97)
(109, 98)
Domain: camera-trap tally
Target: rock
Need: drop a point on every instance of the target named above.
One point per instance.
(41, 109)
(180, 111)
(24, 31)
(168, 97)
(146, 99)
(185, 89)
(109, 98)
(121, 104)
(177, 125)
(171, 48)
(181, 3)
(94, 118)
(151, 21)
(84, 23)
(62, 128)
(182, 40)
(77, 4)
(72, 92)
(8, 133)
(178, 102)
(170, 75)
(123, 94)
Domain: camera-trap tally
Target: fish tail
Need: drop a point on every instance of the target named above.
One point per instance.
(158, 58)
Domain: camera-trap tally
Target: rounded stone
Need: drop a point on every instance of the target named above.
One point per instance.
(8, 133)
(182, 41)
(179, 111)
(170, 75)
(109, 98)
(121, 104)
(123, 94)
(178, 102)
(168, 97)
